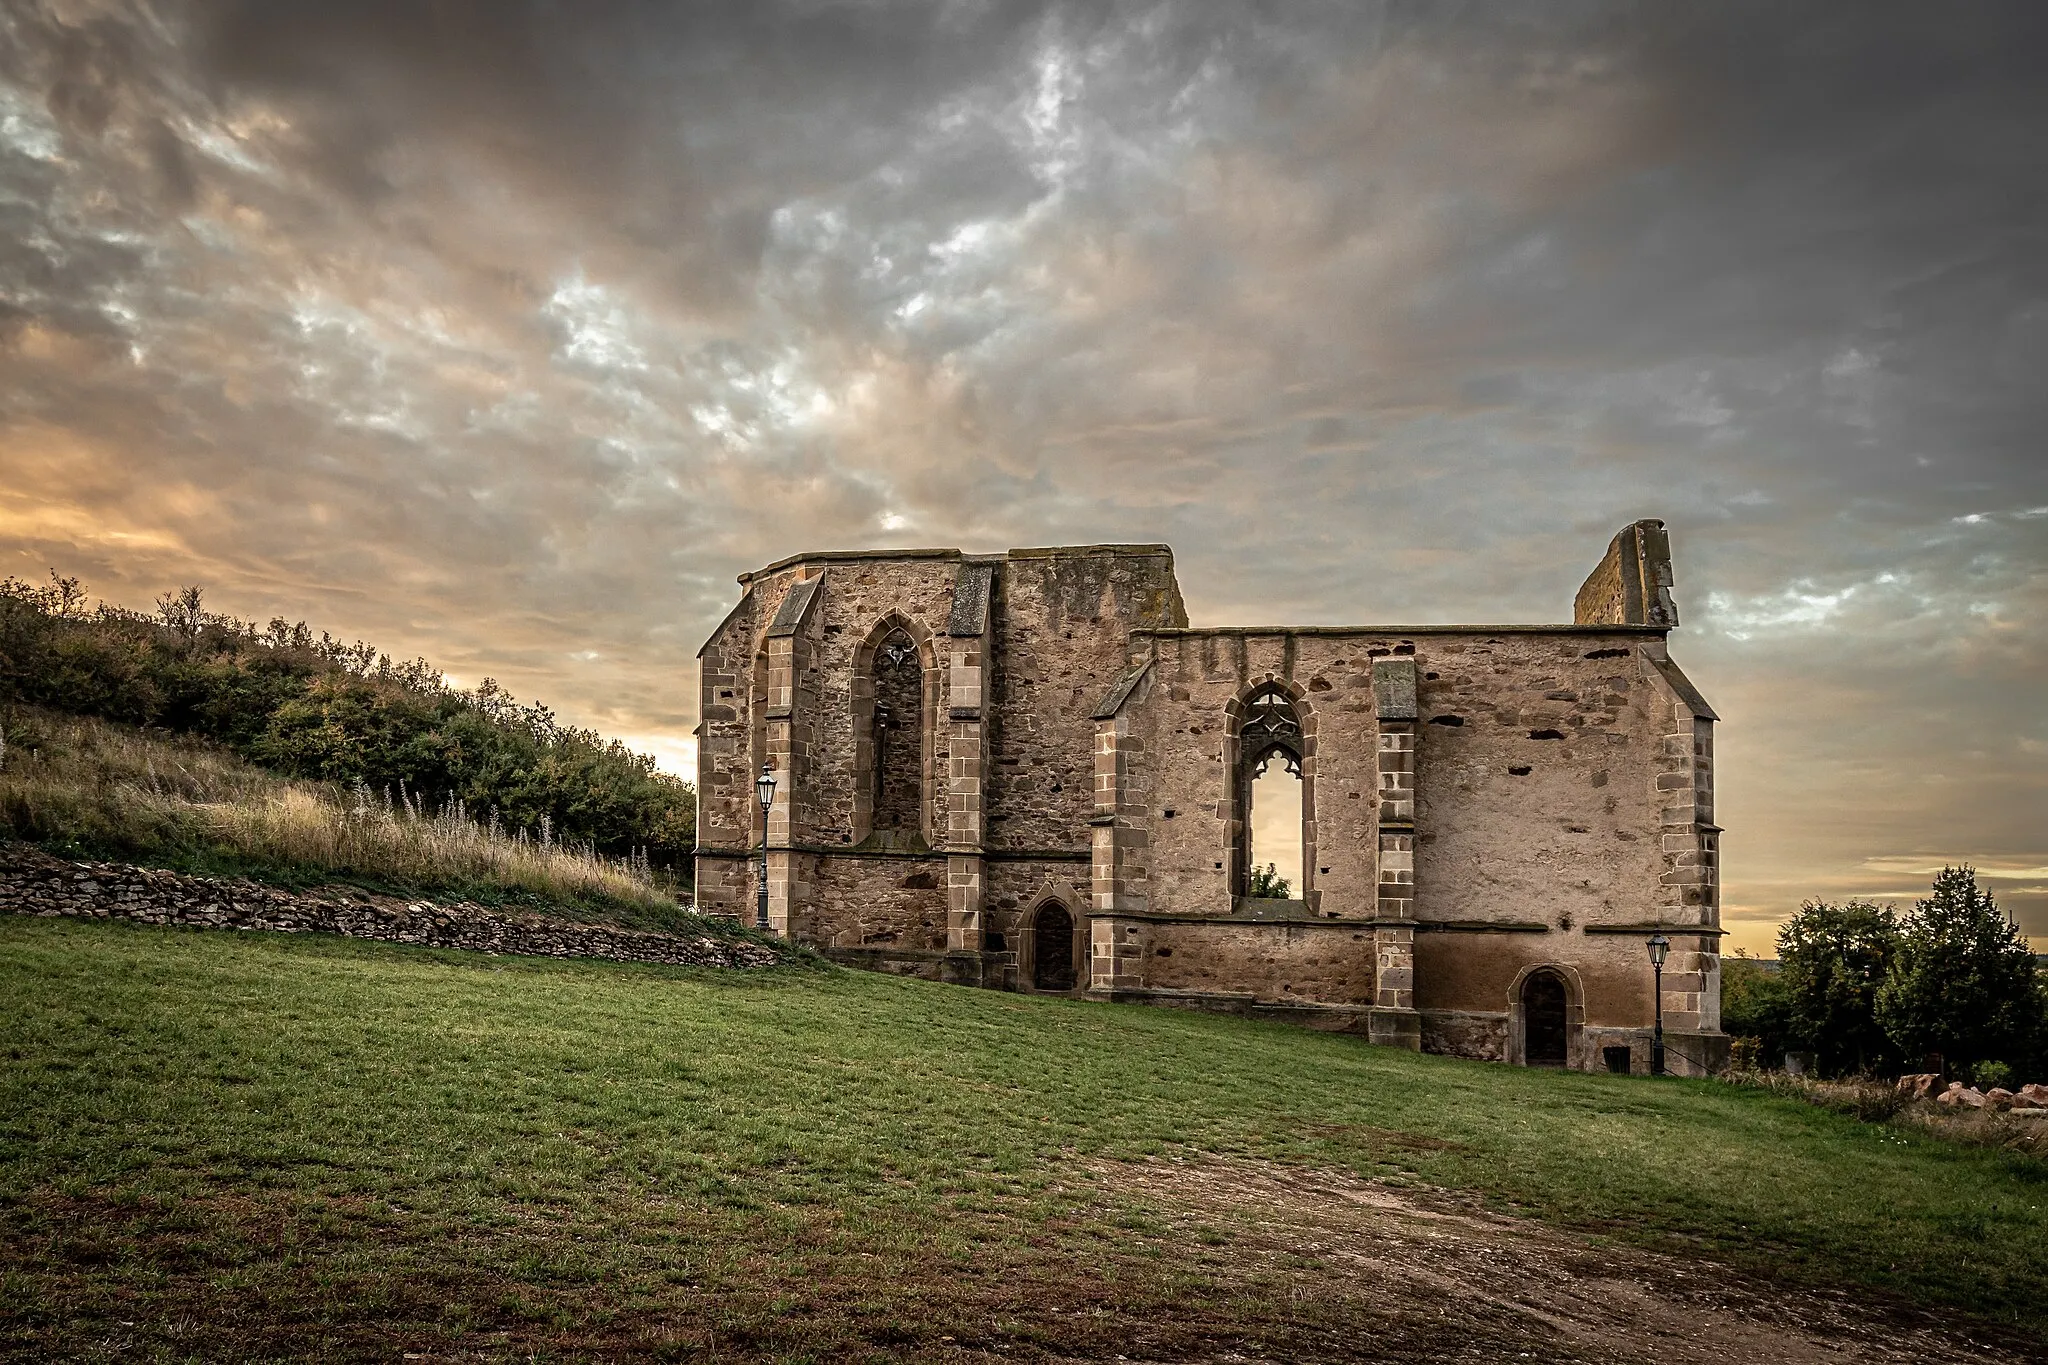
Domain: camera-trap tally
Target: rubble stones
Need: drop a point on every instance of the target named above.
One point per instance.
(1960, 1096)
(1919, 1086)
(34, 883)
(2031, 1097)
(1998, 1097)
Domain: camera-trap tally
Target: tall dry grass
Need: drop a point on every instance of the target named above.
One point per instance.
(1870, 1100)
(93, 788)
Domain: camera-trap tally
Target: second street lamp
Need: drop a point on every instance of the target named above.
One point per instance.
(1659, 946)
(764, 788)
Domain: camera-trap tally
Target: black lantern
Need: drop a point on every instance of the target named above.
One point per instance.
(764, 787)
(1660, 948)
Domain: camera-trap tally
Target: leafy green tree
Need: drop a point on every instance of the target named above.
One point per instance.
(1835, 958)
(1755, 1004)
(1962, 983)
(1267, 883)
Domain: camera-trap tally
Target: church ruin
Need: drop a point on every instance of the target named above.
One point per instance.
(1028, 771)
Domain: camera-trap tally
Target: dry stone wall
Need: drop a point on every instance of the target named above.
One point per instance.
(33, 883)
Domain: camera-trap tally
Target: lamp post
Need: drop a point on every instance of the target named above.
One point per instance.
(1659, 946)
(764, 788)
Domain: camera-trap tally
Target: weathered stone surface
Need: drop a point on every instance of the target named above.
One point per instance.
(2032, 1096)
(1490, 814)
(34, 883)
(1960, 1096)
(1998, 1097)
(1919, 1086)
(1632, 583)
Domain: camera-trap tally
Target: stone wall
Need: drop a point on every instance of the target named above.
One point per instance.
(874, 902)
(1314, 963)
(33, 883)
(1061, 625)
(1479, 803)
(1559, 784)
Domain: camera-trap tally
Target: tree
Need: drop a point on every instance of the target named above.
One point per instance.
(1755, 1005)
(1835, 958)
(1962, 983)
(1267, 883)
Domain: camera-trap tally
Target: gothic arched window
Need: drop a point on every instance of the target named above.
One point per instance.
(1272, 800)
(898, 736)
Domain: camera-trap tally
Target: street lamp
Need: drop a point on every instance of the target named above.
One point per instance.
(764, 787)
(1659, 946)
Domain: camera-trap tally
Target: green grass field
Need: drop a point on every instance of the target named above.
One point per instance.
(220, 1145)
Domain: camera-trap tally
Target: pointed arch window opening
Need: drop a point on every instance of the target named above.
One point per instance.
(898, 739)
(1274, 810)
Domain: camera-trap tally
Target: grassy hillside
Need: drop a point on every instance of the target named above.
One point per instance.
(318, 709)
(89, 789)
(234, 1145)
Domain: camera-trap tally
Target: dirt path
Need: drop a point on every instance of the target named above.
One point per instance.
(1428, 1278)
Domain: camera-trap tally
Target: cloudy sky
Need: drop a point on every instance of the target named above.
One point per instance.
(508, 334)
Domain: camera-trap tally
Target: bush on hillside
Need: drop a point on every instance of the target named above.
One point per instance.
(344, 713)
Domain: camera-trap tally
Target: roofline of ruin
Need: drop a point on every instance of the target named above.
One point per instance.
(1392, 632)
(1028, 552)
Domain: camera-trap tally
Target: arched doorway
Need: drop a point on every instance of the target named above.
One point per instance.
(1544, 1015)
(1052, 948)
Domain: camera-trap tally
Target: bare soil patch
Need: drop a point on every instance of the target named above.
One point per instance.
(1428, 1275)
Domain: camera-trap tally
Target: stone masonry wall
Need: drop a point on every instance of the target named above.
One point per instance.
(33, 883)
(1478, 802)
(1062, 624)
(1537, 797)
(1285, 963)
(1545, 767)
(1189, 756)
(875, 902)
(787, 679)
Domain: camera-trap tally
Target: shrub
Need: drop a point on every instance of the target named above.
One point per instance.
(89, 788)
(1987, 1075)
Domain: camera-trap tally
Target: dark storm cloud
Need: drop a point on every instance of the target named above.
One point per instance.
(508, 333)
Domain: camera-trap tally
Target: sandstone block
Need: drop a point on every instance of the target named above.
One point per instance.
(1919, 1086)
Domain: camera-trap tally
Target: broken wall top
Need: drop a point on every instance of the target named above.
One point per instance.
(1632, 584)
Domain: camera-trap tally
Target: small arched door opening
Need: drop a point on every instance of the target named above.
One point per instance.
(1052, 949)
(1543, 1020)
